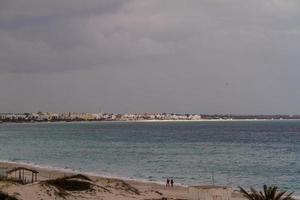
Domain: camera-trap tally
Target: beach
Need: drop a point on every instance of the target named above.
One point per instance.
(102, 188)
(190, 152)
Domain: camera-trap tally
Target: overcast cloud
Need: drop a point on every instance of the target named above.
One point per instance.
(196, 56)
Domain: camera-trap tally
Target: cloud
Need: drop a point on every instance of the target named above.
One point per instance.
(37, 36)
(208, 50)
(34, 10)
(57, 35)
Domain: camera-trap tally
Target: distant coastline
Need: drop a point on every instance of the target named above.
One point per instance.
(144, 117)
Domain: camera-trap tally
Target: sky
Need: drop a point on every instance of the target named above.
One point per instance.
(179, 56)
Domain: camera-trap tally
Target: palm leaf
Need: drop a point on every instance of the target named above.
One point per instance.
(268, 193)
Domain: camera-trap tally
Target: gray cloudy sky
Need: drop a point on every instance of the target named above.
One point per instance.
(195, 56)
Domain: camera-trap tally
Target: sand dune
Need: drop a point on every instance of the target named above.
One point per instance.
(99, 188)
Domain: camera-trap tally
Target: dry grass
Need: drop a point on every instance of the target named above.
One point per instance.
(122, 185)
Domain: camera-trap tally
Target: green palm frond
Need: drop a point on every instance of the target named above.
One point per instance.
(268, 193)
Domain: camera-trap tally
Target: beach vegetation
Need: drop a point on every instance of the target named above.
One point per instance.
(268, 193)
(122, 185)
(11, 181)
(75, 183)
(5, 196)
(72, 183)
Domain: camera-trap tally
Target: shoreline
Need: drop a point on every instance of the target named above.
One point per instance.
(68, 171)
(150, 189)
(117, 187)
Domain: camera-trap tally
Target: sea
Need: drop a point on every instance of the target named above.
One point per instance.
(231, 153)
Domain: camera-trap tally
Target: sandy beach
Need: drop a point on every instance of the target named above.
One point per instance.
(101, 188)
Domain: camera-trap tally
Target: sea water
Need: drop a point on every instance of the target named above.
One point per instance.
(237, 153)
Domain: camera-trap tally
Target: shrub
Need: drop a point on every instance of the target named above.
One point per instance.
(72, 183)
(268, 193)
(4, 196)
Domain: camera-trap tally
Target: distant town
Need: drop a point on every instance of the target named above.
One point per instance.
(74, 116)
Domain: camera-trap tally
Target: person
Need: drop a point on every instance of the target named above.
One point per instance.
(172, 182)
(168, 182)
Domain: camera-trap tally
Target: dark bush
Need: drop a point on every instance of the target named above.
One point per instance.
(72, 183)
(4, 196)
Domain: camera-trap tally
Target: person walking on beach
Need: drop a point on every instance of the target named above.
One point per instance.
(172, 182)
(168, 182)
